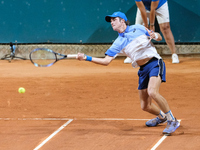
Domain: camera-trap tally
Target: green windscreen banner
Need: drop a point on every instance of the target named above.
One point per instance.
(64, 21)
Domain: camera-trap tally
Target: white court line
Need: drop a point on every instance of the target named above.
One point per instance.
(160, 141)
(115, 119)
(70, 120)
(53, 134)
(24, 119)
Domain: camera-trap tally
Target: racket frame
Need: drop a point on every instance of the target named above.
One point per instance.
(56, 54)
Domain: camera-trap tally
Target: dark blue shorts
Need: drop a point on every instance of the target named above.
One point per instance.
(154, 67)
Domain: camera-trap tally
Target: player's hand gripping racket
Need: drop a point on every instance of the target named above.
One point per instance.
(43, 57)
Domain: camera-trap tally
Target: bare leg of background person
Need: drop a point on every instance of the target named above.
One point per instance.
(169, 38)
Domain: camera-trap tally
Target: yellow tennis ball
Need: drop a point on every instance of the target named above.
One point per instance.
(21, 90)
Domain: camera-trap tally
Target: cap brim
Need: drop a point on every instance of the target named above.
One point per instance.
(108, 18)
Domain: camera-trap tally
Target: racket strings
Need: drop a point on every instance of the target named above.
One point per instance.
(43, 57)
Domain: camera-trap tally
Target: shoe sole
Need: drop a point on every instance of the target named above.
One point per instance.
(127, 62)
(156, 125)
(175, 62)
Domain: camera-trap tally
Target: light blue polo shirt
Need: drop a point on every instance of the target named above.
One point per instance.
(147, 3)
(123, 39)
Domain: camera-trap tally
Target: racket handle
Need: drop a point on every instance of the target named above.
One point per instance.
(71, 55)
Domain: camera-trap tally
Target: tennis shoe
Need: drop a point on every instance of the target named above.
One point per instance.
(155, 121)
(127, 60)
(175, 59)
(172, 125)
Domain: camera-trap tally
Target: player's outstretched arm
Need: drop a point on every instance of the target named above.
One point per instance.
(102, 61)
(154, 35)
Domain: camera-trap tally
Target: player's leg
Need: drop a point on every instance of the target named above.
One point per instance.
(162, 15)
(153, 91)
(145, 99)
(147, 105)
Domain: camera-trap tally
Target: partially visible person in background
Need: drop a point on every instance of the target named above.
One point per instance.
(146, 12)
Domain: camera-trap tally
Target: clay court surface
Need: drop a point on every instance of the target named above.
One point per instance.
(75, 105)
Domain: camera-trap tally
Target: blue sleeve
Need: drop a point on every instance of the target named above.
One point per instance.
(111, 53)
(138, 0)
(115, 48)
(142, 29)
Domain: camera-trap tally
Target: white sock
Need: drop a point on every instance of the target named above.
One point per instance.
(170, 115)
(161, 115)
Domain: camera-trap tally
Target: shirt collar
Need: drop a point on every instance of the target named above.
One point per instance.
(126, 31)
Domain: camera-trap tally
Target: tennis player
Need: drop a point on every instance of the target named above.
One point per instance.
(135, 42)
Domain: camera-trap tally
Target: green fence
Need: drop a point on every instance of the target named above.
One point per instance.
(65, 21)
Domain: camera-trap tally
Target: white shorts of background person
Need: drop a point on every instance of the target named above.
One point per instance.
(162, 15)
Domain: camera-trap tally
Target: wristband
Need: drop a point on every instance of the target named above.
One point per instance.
(156, 36)
(88, 58)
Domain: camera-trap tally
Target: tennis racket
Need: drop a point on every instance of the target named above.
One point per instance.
(43, 57)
